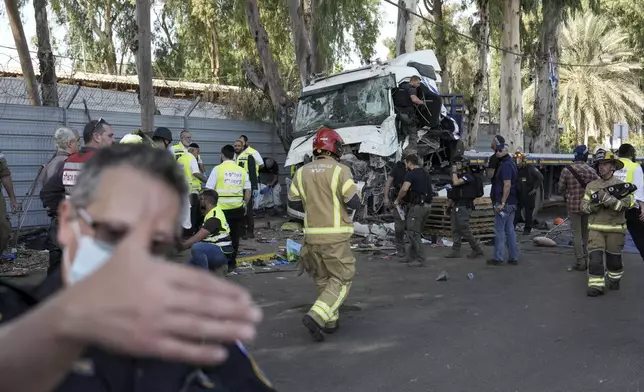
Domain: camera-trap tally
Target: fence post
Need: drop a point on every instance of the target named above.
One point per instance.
(69, 103)
(188, 111)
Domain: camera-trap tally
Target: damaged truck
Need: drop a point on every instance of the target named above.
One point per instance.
(362, 106)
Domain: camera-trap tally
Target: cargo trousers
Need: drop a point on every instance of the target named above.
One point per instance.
(610, 245)
(416, 218)
(332, 267)
(460, 222)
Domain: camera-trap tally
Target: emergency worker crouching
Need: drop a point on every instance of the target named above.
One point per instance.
(395, 181)
(530, 180)
(466, 187)
(326, 192)
(606, 201)
(417, 190)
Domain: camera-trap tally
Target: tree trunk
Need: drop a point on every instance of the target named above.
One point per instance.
(46, 60)
(214, 53)
(511, 100)
(282, 105)
(317, 50)
(108, 44)
(482, 33)
(144, 66)
(407, 25)
(301, 41)
(441, 46)
(545, 136)
(23, 51)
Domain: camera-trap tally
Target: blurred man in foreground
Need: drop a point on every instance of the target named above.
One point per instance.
(115, 296)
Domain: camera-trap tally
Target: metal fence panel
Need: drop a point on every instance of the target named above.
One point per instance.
(27, 142)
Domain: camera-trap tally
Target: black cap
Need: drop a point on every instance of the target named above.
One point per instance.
(163, 133)
(499, 139)
(194, 145)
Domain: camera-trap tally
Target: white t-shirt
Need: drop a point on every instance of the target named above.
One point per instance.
(212, 180)
(638, 181)
(258, 158)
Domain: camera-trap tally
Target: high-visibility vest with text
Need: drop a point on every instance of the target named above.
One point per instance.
(221, 239)
(179, 150)
(230, 185)
(72, 168)
(242, 159)
(626, 173)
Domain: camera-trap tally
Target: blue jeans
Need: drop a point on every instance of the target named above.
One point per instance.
(207, 256)
(504, 234)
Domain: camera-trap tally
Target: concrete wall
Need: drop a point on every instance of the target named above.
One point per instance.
(26, 135)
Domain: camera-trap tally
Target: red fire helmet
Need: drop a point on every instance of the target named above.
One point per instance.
(328, 140)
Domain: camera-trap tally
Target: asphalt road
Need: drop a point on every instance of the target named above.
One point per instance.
(524, 328)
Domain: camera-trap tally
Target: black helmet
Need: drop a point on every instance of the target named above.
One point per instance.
(163, 133)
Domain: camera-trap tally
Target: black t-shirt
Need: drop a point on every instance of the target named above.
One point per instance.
(409, 89)
(421, 184)
(212, 225)
(493, 162)
(398, 173)
(273, 169)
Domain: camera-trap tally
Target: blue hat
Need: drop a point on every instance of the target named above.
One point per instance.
(502, 147)
(580, 153)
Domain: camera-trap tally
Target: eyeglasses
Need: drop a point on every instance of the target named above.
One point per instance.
(112, 235)
(99, 121)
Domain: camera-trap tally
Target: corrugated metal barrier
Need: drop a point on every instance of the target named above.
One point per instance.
(27, 141)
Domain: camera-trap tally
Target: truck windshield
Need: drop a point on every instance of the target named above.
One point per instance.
(365, 102)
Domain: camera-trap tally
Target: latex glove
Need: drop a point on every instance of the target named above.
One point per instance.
(265, 191)
(255, 193)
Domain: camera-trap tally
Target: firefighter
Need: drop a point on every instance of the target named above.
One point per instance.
(606, 224)
(530, 180)
(466, 186)
(326, 191)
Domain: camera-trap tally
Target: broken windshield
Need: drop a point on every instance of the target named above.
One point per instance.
(365, 102)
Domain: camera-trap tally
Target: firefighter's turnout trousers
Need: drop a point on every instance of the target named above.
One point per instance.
(606, 232)
(324, 187)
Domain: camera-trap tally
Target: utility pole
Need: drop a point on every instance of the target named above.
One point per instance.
(144, 66)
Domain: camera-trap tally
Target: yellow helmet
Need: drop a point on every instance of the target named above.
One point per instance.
(604, 156)
(131, 138)
(519, 155)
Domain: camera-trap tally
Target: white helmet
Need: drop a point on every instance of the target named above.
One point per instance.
(131, 138)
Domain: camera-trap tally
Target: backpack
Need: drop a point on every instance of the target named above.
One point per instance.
(478, 182)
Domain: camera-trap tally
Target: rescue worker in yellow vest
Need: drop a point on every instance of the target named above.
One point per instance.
(606, 224)
(327, 194)
(249, 159)
(233, 187)
(195, 178)
(211, 246)
(185, 139)
(632, 173)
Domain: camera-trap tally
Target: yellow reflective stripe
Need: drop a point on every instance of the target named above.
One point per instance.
(587, 196)
(336, 199)
(615, 275)
(347, 185)
(618, 205)
(322, 310)
(294, 190)
(600, 227)
(341, 297)
(329, 230)
(300, 186)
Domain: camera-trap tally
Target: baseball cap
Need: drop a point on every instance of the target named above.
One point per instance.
(580, 153)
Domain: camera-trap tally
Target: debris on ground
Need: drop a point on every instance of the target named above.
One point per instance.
(293, 250)
(291, 226)
(442, 277)
(23, 261)
(470, 276)
(544, 241)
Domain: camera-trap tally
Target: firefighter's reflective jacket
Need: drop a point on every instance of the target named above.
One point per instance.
(606, 212)
(325, 188)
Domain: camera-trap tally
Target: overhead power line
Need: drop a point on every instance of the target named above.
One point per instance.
(489, 45)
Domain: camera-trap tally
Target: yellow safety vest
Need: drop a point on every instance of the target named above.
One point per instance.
(230, 185)
(179, 150)
(193, 182)
(221, 239)
(242, 159)
(626, 174)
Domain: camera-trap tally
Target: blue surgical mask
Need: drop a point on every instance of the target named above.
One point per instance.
(91, 254)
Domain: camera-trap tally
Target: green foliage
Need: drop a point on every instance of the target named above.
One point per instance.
(390, 43)
(592, 98)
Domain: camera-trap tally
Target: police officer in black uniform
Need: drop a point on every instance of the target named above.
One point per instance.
(405, 101)
(465, 188)
(395, 180)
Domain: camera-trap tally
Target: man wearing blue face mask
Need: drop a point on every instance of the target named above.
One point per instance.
(117, 316)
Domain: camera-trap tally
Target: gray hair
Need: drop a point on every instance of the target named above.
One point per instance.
(153, 162)
(64, 135)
